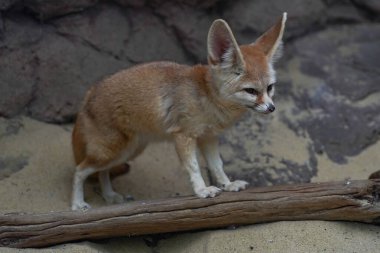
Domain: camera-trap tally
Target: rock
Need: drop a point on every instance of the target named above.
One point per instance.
(45, 9)
(249, 19)
(344, 13)
(19, 32)
(1, 27)
(10, 127)
(337, 2)
(257, 150)
(198, 4)
(66, 69)
(191, 25)
(6, 4)
(346, 57)
(151, 41)
(17, 81)
(132, 3)
(372, 5)
(143, 39)
(335, 79)
(104, 27)
(17, 64)
(49, 73)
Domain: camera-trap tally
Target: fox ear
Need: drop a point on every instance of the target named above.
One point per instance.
(271, 41)
(223, 51)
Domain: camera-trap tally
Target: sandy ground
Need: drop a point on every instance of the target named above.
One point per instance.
(38, 165)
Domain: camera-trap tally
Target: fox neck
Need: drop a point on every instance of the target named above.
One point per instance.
(225, 111)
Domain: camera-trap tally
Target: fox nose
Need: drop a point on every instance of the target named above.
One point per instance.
(271, 108)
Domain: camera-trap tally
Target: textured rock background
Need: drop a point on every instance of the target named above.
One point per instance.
(326, 125)
(52, 51)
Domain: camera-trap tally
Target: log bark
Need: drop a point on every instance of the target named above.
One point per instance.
(341, 201)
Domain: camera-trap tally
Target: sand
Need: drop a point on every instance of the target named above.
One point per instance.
(40, 165)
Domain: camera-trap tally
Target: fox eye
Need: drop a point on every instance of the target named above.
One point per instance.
(251, 91)
(269, 88)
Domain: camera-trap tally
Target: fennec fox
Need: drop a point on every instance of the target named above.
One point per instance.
(189, 105)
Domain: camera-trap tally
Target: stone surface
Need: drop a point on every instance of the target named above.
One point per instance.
(151, 40)
(19, 31)
(133, 3)
(124, 32)
(191, 25)
(17, 81)
(105, 27)
(249, 18)
(372, 5)
(66, 69)
(256, 149)
(17, 64)
(335, 82)
(344, 13)
(5, 4)
(45, 9)
(200, 4)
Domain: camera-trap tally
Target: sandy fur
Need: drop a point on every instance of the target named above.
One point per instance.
(168, 101)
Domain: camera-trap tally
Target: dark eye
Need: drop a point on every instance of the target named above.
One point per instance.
(269, 88)
(251, 91)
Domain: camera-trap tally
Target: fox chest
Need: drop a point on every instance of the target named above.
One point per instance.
(208, 123)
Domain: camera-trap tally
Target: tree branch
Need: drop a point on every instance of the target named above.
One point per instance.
(344, 201)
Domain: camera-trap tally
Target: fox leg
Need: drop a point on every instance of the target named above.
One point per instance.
(209, 149)
(109, 195)
(186, 149)
(135, 147)
(80, 176)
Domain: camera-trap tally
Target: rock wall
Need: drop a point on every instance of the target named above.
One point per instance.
(325, 128)
(52, 51)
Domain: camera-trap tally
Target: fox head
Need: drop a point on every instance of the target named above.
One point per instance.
(245, 74)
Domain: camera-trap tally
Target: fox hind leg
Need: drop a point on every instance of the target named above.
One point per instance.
(80, 176)
(135, 147)
(109, 195)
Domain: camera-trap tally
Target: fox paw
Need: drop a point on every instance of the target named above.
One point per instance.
(82, 206)
(208, 192)
(114, 198)
(235, 186)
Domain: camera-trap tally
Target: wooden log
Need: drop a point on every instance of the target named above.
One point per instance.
(343, 201)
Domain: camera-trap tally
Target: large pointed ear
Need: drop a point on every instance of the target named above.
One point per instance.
(271, 41)
(223, 51)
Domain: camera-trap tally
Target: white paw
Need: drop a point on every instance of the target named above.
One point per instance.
(114, 198)
(83, 206)
(208, 192)
(235, 186)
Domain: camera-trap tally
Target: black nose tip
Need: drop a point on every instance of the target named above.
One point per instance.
(271, 108)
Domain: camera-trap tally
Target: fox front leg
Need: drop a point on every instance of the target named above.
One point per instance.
(186, 149)
(210, 149)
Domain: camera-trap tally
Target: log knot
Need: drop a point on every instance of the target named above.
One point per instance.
(7, 242)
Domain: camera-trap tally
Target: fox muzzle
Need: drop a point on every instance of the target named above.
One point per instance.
(271, 107)
(263, 108)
